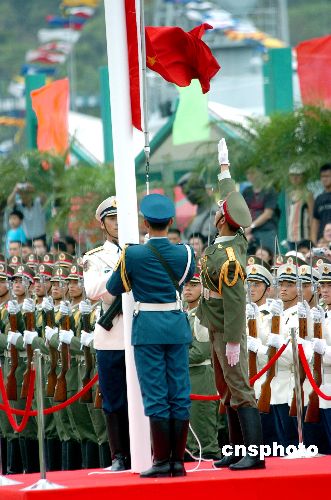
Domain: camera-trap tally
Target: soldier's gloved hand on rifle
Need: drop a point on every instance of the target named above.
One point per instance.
(65, 308)
(85, 307)
(47, 304)
(85, 338)
(65, 336)
(50, 332)
(28, 306)
(317, 314)
(252, 311)
(302, 310)
(275, 307)
(307, 347)
(232, 352)
(28, 337)
(253, 344)
(13, 307)
(223, 155)
(275, 340)
(319, 346)
(13, 337)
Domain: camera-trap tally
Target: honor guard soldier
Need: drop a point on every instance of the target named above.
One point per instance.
(98, 265)
(161, 334)
(222, 311)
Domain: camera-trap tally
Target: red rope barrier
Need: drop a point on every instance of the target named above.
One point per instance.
(9, 411)
(310, 376)
(54, 409)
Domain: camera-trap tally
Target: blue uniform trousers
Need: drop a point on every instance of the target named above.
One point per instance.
(112, 379)
(163, 373)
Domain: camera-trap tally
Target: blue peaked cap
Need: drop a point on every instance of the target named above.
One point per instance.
(157, 208)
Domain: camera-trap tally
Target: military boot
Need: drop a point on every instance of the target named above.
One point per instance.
(250, 423)
(178, 435)
(30, 455)
(104, 455)
(71, 455)
(235, 437)
(118, 440)
(160, 435)
(53, 454)
(90, 455)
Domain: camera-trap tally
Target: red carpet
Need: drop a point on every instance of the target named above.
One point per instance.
(283, 479)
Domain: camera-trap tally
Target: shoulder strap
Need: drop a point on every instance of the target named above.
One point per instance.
(165, 265)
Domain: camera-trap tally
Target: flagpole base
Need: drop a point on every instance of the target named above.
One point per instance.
(43, 484)
(5, 481)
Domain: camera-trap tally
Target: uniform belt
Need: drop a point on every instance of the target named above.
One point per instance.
(145, 306)
(210, 294)
(206, 362)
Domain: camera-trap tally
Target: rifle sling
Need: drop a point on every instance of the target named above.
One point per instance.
(165, 265)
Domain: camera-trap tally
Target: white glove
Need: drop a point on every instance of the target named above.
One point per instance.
(223, 155)
(13, 307)
(253, 344)
(65, 308)
(302, 311)
(232, 352)
(307, 347)
(318, 314)
(28, 306)
(275, 340)
(85, 307)
(47, 304)
(13, 337)
(85, 338)
(252, 311)
(319, 346)
(28, 337)
(65, 336)
(49, 332)
(275, 307)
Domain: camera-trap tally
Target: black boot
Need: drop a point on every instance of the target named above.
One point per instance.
(53, 454)
(91, 458)
(71, 455)
(250, 423)
(118, 441)
(3, 451)
(178, 437)
(14, 459)
(235, 437)
(160, 434)
(30, 455)
(104, 455)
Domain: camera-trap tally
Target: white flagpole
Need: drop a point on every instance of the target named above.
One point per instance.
(125, 181)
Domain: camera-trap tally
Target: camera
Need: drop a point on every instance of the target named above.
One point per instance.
(319, 252)
(22, 185)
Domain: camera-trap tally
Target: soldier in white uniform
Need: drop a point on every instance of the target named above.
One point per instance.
(109, 341)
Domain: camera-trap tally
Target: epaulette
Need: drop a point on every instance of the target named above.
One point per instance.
(121, 264)
(235, 267)
(94, 250)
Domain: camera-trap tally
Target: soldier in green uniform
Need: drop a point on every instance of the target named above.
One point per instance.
(203, 414)
(222, 311)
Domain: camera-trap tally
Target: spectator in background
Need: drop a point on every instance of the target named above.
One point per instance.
(39, 247)
(15, 233)
(299, 206)
(304, 246)
(58, 246)
(23, 198)
(322, 205)
(71, 245)
(265, 254)
(26, 249)
(15, 248)
(327, 233)
(197, 242)
(262, 204)
(174, 235)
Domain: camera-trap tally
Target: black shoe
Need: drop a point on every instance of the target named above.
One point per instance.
(250, 423)
(14, 458)
(235, 437)
(120, 462)
(160, 434)
(118, 437)
(178, 433)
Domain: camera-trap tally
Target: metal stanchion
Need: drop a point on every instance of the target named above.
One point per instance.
(42, 483)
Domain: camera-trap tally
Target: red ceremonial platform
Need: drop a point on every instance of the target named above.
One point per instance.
(282, 478)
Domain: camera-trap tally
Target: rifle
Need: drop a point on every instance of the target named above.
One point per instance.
(313, 409)
(86, 323)
(30, 326)
(252, 331)
(98, 399)
(53, 353)
(265, 395)
(60, 393)
(11, 384)
(302, 335)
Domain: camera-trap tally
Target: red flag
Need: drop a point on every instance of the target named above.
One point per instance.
(314, 71)
(133, 36)
(51, 105)
(179, 56)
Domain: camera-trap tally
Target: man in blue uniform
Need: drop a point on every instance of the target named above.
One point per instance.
(161, 334)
